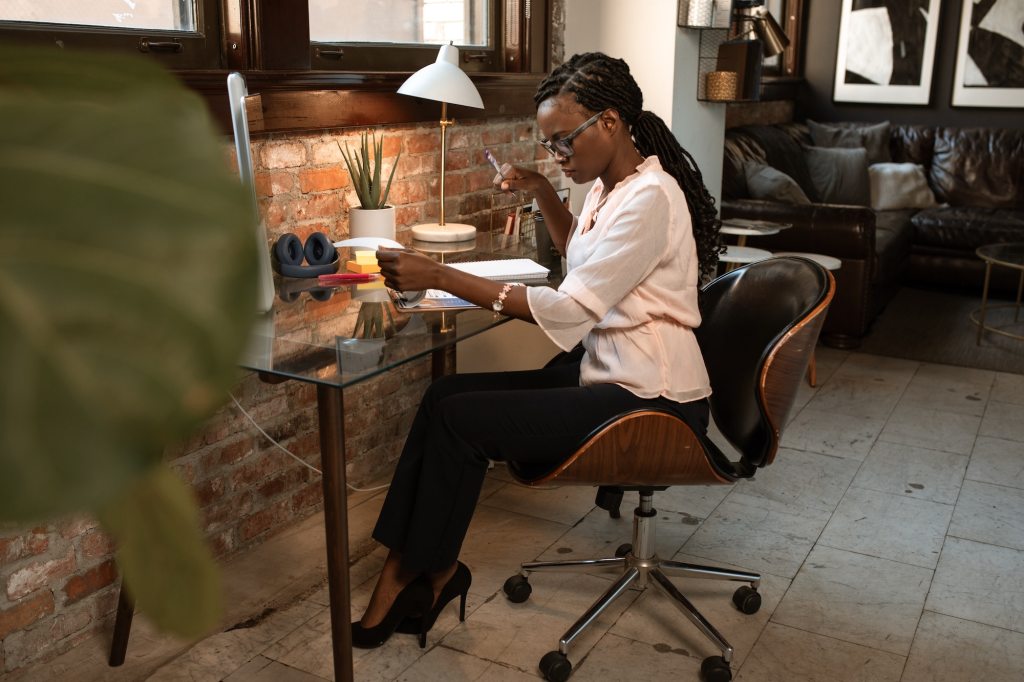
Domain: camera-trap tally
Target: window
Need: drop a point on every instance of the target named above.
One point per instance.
(169, 15)
(316, 63)
(409, 22)
(180, 33)
(492, 35)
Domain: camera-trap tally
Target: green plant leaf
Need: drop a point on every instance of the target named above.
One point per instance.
(387, 189)
(355, 172)
(377, 156)
(161, 554)
(127, 274)
(366, 171)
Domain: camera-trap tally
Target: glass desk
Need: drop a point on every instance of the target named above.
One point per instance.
(352, 335)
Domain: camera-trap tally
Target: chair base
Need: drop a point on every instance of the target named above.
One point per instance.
(640, 567)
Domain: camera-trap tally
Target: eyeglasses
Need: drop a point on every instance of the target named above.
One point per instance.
(563, 145)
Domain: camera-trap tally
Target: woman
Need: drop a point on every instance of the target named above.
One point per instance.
(646, 234)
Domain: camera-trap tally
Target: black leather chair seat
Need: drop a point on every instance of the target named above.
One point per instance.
(967, 228)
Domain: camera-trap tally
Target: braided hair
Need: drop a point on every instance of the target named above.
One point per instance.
(600, 82)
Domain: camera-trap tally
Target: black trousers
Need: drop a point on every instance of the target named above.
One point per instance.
(536, 416)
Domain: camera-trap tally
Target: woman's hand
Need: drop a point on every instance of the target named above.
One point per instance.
(514, 178)
(407, 270)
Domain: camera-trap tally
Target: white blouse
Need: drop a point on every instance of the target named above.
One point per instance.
(630, 294)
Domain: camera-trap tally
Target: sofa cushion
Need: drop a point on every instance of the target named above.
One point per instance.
(899, 185)
(894, 235)
(765, 144)
(840, 175)
(740, 150)
(979, 167)
(897, 221)
(912, 144)
(874, 138)
(965, 229)
(765, 182)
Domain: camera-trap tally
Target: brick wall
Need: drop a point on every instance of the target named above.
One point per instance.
(58, 582)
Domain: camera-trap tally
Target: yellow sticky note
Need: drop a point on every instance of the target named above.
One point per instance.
(356, 266)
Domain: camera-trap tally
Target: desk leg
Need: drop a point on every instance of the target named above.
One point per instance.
(984, 301)
(330, 410)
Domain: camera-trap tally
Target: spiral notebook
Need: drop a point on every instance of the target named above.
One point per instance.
(505, 270)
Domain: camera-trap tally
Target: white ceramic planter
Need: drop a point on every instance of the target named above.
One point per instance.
(374, 222)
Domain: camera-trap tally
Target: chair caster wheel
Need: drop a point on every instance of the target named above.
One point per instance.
(623, 550)
(747, 600)
(555, 666)
(517, 589)
(715, 669)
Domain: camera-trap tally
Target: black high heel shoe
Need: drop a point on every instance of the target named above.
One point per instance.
(457, 586)
(411, 604)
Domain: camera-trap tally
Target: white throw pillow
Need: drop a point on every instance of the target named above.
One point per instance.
(899, 185)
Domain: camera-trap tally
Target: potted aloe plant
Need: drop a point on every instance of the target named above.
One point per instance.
(373, 218)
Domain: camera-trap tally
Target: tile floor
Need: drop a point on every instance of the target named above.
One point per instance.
(890, 532)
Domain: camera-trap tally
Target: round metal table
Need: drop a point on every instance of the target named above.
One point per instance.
(1010, 255)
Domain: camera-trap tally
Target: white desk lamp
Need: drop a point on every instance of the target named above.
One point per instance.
(444, 82)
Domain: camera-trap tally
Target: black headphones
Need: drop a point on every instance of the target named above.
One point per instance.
(318, 251)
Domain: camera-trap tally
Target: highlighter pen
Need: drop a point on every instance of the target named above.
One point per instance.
(494, 162)
(497, 167)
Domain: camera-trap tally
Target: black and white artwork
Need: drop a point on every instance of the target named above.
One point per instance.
(990, 55)
(886, 51)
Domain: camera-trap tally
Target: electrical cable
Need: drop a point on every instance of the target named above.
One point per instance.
(292, 454)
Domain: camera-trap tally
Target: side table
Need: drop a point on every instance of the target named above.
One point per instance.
(738, 255)
(1008, 256)
(742, 228)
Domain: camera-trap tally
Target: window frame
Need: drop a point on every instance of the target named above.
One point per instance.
(199, 49)
(268, 42)
(792, 22)
(296, 96)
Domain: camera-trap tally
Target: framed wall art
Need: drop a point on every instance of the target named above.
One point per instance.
(990, 55)
(886, 51)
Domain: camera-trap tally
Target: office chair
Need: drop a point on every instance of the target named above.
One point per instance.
(760, 325)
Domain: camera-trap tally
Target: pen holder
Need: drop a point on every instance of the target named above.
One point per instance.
(547, 254)
(511, 221)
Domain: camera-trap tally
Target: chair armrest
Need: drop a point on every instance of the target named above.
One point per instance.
(845, 232)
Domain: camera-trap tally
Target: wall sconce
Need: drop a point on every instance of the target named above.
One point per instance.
(752, 21)
(444, 82)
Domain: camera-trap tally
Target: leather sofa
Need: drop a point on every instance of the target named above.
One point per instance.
(975, 174)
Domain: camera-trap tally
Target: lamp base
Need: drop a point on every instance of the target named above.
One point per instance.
(449, 232)
(443, 247)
